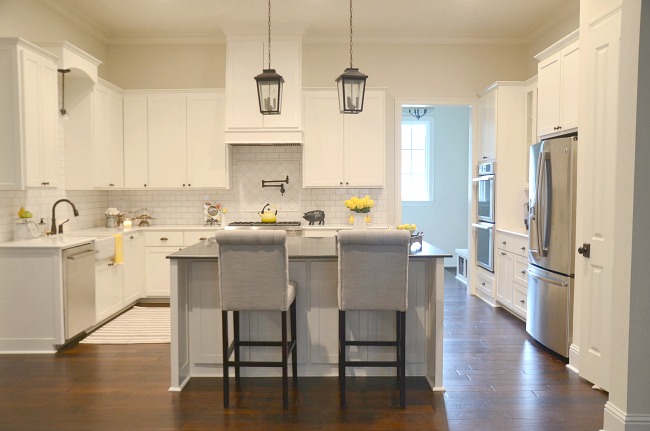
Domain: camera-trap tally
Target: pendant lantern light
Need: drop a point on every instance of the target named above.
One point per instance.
(351, 84)
(63, 111)
(269, 85)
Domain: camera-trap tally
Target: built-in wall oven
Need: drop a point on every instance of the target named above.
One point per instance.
(485, 214)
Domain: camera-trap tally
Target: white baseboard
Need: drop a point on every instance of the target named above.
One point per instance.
(617, 420)
(574, 358)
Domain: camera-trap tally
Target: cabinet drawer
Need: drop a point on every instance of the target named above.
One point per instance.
(191, 238)
(485, 285)
(520, 270)
(163, 239)
(520, 299)
(513, 244)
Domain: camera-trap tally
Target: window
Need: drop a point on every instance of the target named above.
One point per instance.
(415, 161)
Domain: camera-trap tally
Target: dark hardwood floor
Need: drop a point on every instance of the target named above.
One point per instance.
(496, 377)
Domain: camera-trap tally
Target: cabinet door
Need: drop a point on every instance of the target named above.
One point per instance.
(487, 121)
(505, 265)
(323, 140)
(548, 95)
(131, 268)
(207, 161)
(109, 293)
(157, 270)
(40, 123)
(167, 125)
(136, 165)
(570, 57)
(108, 153)
(364, 143)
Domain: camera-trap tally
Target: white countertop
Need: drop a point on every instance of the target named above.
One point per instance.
(85, 236)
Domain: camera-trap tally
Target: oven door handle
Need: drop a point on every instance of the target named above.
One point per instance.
(483, 178)
(483, 225)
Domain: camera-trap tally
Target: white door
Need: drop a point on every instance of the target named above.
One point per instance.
(595, 196)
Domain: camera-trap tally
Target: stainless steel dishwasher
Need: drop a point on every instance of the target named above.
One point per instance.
(79, 289)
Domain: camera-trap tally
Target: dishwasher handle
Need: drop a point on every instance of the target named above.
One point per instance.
(82, 255)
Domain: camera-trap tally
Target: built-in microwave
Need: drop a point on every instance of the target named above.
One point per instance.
(485, 245)
(485, 192)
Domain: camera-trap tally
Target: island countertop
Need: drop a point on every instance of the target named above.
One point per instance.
(299, 248)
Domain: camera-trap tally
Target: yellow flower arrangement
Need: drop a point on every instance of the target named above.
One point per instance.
(359, 205)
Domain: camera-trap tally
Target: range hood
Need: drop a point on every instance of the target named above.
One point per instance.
(246, 56)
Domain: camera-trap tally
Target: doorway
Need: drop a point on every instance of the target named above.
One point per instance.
(433, 154)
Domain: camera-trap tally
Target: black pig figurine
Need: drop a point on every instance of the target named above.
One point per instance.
(315, 216)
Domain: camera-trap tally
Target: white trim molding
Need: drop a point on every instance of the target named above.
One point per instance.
(618, 420)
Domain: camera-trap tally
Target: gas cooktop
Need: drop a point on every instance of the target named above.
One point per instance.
(288, 225)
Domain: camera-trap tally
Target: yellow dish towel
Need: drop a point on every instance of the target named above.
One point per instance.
(119, 250)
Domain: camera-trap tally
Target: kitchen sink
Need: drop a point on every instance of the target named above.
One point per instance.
(104, 245)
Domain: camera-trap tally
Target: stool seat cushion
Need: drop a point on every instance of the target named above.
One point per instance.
(373, 269)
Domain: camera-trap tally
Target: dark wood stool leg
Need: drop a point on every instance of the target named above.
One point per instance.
(285, 380)
(294, 354)
(402, 359)
(397, 347)
(235, 323)
(342, 356)
(224, 337)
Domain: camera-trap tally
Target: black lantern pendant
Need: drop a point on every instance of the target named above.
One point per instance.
(351, 84)
(269, 85)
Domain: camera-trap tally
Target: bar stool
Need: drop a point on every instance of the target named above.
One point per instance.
(373, 275)
(254, 276)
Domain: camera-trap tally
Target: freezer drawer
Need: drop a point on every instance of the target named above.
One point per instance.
(550, 309)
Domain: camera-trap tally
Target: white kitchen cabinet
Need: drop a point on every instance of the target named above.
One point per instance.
(108, 142)
(504, 105)
(131, 268)
(558, 83)
(343, 150)
(158, 245)
(28, 99)
(487, 122)
(511, 273)
(484, 286)
(136, 164)
(109, 290)
(246, 56)
(175, 140)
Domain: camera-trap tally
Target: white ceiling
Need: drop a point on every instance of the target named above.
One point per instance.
(485, 21)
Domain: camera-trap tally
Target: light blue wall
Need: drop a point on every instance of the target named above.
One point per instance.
(444, 221)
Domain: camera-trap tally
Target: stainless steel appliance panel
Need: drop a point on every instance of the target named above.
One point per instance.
(552, 204)
(485, 192)
(79, 289)
(485, 245)
(550, 309)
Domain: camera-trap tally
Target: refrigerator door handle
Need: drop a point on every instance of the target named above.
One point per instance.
(534, 219)
(549, 280)
(548, 201)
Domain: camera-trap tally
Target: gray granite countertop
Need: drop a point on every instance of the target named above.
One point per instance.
(299, 248)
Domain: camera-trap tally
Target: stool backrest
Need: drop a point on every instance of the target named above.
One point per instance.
(253, 269)
(373, 269)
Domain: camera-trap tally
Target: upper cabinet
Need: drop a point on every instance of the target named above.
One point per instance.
(558, 83)
(246, 57)
(175, 140)
(502, 136)
(343, 150)
(108, 142)
(29, 141)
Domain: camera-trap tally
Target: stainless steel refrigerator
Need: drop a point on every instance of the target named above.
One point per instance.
(551, 268)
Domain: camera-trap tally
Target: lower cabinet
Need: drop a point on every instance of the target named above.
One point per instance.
(109, 289)
(511, 274)
(484, 286)
(131, 268)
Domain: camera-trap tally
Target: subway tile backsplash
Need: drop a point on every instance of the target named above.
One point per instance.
(250, 165)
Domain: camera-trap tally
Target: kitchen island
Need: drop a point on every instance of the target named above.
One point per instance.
(196, 315)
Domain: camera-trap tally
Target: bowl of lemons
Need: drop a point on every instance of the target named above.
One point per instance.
(409, 227)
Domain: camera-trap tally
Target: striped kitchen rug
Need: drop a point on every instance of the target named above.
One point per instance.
(139, 325)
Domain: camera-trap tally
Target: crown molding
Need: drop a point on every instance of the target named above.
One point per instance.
(168, 39)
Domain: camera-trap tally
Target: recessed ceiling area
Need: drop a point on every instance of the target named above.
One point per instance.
(415, 21)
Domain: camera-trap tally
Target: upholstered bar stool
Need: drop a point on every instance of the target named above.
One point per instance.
(254, 276)
(373, 275)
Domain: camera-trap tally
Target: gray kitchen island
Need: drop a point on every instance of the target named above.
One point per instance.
(196, 315)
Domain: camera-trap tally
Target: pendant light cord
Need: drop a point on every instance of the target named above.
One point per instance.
(269, 34)
(350, 34)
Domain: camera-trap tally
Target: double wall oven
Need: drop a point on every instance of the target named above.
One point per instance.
(484, 226)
